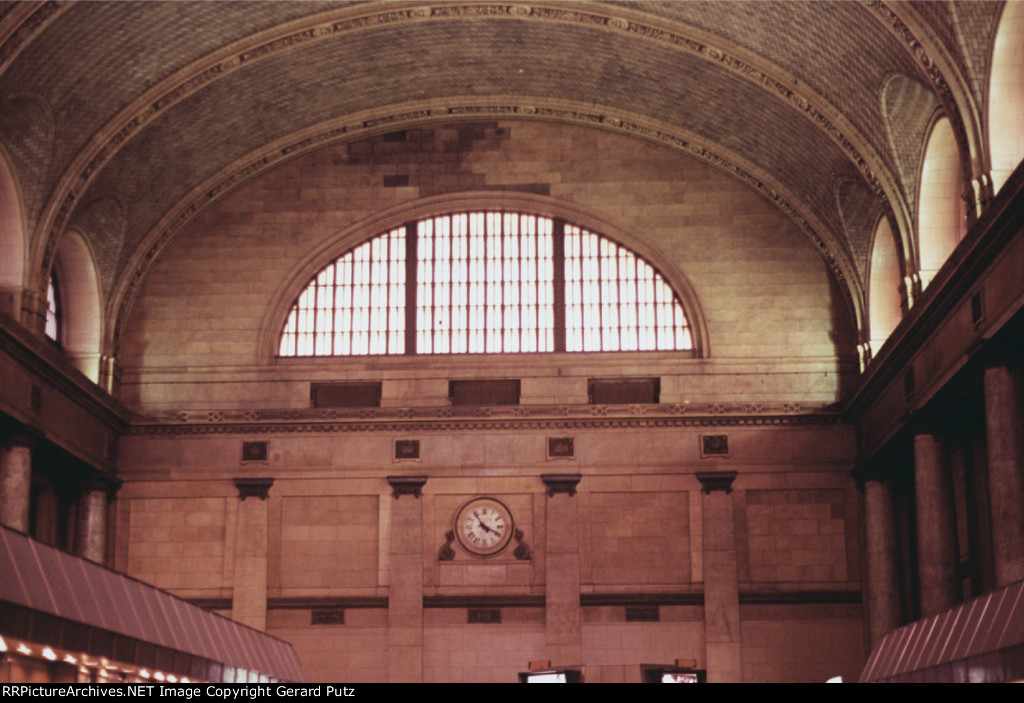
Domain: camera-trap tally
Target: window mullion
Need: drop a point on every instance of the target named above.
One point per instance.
(560, 331)
(411, 284)
(452, 236)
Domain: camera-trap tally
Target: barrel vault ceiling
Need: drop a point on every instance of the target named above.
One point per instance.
(128, 119)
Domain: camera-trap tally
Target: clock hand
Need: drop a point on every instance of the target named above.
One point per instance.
(482, 523)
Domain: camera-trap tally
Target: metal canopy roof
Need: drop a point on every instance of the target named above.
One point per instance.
(979, 641)
(54, 598)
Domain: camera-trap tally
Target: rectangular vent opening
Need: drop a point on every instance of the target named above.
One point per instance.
(643, 613)
(327, 616)
(345, 395)
(494, 392)
(623, 391)
(486, 616)
(977, 307)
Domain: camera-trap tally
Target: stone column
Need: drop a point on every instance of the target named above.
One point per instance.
(562, 571)
(884, 613)
(938, 561)
(249, 597)
(92, 524)
(15, 482)
(721, 580)
(1004, 430)
(405, 587)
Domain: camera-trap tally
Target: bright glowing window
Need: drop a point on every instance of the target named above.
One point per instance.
(52, 310)
(485, 282)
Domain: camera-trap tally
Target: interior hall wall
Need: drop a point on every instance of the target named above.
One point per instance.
(201, 386)
(776, 329)
(640, 540)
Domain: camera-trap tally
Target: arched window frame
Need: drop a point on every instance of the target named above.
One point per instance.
(78, 303)
(54, 309)
(679, 288)
(941, 209)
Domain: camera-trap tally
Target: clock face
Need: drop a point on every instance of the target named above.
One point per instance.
(483, 526)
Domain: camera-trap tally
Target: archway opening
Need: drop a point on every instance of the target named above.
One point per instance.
(81, 319)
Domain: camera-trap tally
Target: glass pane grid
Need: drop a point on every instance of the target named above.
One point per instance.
(353, 306)
(485, 284)
(615, 301)
(482, 278)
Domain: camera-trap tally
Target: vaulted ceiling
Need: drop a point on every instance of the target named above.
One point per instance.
(128, 119)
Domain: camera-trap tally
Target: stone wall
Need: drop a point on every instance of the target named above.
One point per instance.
(369, 586)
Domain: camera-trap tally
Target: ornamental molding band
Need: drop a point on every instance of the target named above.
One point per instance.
(482, 418)
(205, 195)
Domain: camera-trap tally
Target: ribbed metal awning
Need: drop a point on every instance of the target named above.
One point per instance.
(979, 641)
(53, 598)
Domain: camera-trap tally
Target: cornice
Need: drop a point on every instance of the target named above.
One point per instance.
(483, 418)
(47, 363)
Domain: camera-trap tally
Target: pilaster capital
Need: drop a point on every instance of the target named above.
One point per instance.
(407, 485)
(561, 483)
(254, 487)
(712, 481)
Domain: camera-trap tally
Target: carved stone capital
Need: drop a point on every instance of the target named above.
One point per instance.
(407, 485)
(254, 487)
(711, 481)
(561, 483)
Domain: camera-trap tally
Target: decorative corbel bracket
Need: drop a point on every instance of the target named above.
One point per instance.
(561, 483)
(712, 481)
(254, 487)
(407, 485)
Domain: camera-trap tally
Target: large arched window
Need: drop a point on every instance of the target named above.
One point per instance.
(1006, 95)
(941, 208)
(485, 282)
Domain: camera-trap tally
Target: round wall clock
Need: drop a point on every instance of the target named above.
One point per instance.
(483, 526)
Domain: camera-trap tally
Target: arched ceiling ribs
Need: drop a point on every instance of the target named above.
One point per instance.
(740, 63)
(21, 24)
(908, 108)
(834, 252)
(951, 86)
